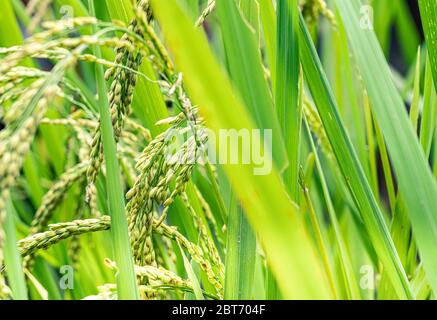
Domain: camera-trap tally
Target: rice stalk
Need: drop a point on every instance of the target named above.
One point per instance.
(61, 231)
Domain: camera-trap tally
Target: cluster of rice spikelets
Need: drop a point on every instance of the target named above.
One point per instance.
(159, 174)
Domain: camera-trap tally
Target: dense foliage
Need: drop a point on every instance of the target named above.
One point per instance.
(220, 149)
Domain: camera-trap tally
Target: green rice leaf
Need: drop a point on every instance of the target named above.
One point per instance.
(13, 261)
(246, 73)
(192, 276)
(268, 22)
(428, 12)
(240, 255)
(349, 164)
(351, 284)
(10, 34)
(287, 91)
(415, 104)
(416, 183)
(269, 209)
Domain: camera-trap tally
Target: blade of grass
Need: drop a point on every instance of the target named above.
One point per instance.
(268, 23)
(269, 210)
(246, 73)
(386, 167)
(428, 12)
(421, 286)
(320, 240)
(435, 157)
(287, 91)
(216, 191)
(43, 273)
(193, 6)
(415, 104)
(13, 261)
(268, 19)
(353, 292)
(192, 276)
(410, 167)
(240, 255)
(349, 163)
(127, 283)
(429, 113)
(384, 14)
(357, 128)
(12, 32)
(120, 9)
(371, 146)
(250, 12)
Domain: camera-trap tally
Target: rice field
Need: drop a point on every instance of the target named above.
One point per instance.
(218, 149)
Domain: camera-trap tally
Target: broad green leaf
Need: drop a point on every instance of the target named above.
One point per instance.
(415, 104)
(268, 22)
(120, 10)
(271, 213)
(244, 67)
(9, 31)
(351, 284)
(357, 125)
(240, 255)
(193, 6)
(416, 183)
(320, 239)
(250, 11)
(192, 276)
(247, 75)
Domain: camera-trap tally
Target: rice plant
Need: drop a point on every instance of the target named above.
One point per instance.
(218, 149)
